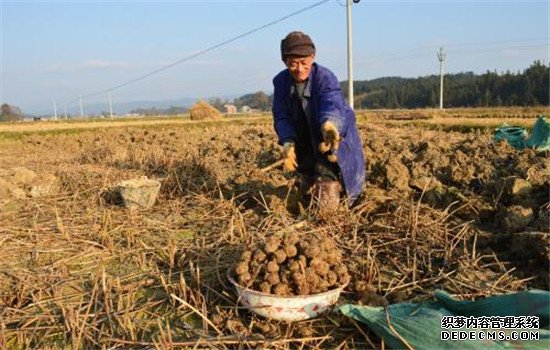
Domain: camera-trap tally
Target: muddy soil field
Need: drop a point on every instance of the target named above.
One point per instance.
(441, 210)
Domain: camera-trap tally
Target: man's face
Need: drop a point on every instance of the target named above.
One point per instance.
(299, 67)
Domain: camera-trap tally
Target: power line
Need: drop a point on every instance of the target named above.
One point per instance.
(339, 65)
(213, 47)
(500, 42)
(501, 49)
(339, 68)
(363, 60)
(429, 48)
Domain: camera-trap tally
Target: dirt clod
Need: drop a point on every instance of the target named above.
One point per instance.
(516, 218)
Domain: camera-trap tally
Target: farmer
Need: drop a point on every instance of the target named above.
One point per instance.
(315, 126)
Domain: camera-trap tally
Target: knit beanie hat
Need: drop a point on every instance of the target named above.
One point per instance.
(297, 44)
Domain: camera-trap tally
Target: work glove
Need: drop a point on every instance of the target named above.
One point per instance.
(289, 154)
(331, 140)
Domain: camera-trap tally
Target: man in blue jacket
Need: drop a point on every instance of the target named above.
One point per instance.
(315, 126)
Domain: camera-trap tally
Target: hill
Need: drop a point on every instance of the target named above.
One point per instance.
(527, 88)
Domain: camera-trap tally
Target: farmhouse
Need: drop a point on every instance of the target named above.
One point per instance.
(230, 109)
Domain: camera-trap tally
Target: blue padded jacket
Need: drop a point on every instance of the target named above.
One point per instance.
(323, 101)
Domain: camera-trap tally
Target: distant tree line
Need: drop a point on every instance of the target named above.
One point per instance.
(527, 88)
(172, 110)
(491, 89)
(10, 113)
(257, 100)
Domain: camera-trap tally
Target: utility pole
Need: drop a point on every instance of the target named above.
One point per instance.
(54, 110)
(81, 108)
(110, 105)
(350, 63)
(441, 56)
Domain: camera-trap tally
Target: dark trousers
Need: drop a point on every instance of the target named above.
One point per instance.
(313, 164)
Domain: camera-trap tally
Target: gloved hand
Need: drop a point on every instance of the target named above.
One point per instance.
(289, 154)
(331, 141)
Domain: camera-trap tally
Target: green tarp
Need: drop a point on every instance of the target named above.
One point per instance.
(432, 325)
(517, 137)
(540, 135)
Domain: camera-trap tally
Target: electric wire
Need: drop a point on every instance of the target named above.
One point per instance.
(211, 48)
(361, 60)
(339, 66)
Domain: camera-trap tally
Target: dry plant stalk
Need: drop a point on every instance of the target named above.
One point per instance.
(78, 270)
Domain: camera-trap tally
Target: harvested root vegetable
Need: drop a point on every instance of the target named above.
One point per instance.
(293, 265)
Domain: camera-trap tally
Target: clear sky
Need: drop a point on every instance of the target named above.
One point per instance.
(57, 50)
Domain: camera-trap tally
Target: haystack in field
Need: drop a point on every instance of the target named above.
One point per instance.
(203, 111)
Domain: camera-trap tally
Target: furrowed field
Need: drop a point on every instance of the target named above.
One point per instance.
(444, 208)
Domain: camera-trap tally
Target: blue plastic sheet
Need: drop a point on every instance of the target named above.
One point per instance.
(420, 326)
(517, 137)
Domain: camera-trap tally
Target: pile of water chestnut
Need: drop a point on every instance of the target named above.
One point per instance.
(292, 265)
